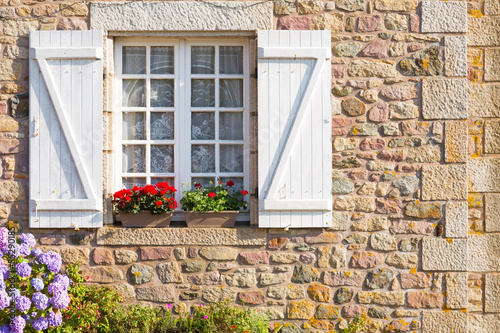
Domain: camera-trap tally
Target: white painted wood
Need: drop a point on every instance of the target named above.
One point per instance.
(66, 115)
(294, 129)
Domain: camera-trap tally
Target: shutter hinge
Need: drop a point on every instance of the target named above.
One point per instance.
(256, 193)
(256, 73)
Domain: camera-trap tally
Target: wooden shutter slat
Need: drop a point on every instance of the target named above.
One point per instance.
(294, 129)
(66, 156)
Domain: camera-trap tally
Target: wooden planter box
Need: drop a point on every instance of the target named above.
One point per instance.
(145, 219)
(224, 219)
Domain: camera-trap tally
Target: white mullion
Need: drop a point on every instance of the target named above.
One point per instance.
(216, 129)
(118, 118)
(185, 111)
(246, 117)
(148, 115)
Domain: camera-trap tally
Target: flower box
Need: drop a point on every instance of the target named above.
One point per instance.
(144, 219)
(224, 219)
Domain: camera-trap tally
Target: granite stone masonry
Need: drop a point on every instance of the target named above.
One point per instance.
(415, 192)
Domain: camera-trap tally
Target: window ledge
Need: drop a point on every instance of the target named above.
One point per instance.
(182, 236)
(181, 16)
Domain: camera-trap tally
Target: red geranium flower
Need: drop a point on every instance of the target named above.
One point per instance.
(198, 185)
(230, 183)
(159, 203)
(244, 192)
(212, 195)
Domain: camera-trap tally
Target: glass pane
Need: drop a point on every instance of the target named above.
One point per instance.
(134, 93)
(169, 180)
(162, 93)
(162, 125)
(202, 60)
(238, 182)
(231, 93)
(162, 60)
(202, 158)
(203, 126)
(204, 181)
(133, 126)
(162, 159)
(231, 158)
(134, 158)
(202, 93)
(231, 60)
(231, 126)
(134, 60)
(130, 182)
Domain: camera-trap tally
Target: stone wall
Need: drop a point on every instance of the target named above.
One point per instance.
(415, 243)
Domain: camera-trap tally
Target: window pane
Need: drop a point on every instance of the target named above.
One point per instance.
(162, 125)
(202, 93)
(202, 158)
(130, 182)
(134, 60)
(134, 158)
(162, 159)
(203, 126)
(238, 182)
(162, 93)
(231, 60)
(133, 126)
(204, 181)
(231, 158)
(169, 180)
(162, 60)
(231, 126)
(231, 93)
(202, 60)
(134, 93)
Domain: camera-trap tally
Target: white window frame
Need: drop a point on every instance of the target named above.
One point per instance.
(182, 108)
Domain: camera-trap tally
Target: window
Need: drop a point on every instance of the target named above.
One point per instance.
(183, 111)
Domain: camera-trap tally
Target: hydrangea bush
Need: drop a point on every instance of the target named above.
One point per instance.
(32, 290)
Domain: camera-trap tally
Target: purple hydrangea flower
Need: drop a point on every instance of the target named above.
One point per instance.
(37, 284)
(40, 300)
(54, 287)
(23, 303)
(54, 320)
(26, 318)
(4, 239)
(24, 250)
(52, 260)
(2, 285)
(4, 271)
(36, 252)
(23, 269)
(60, 300)
(4, 299)
(4, 329)
(40, 324)
(14, 293)
(28, 239)
(17, 324)
(63, 280)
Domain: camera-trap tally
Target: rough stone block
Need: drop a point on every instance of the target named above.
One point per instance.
(440, 16)
(484, 323)
(457, 225)
(484, 253)
(444, 322)
(181, 236)
(455, 144)
(492, 212)
(484, 99)
(103, 274)
(484, 31)
(444, 182)
(444, 99)
(492, 293)
(455, 55)
(492, 7)
(491, 64)
(444, 255)
(164, 294)
(457, 290)
(492, 136)
(181, 16)
(484, 174)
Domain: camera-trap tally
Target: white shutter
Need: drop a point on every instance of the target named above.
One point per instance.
(65, 129)
(294, 129)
